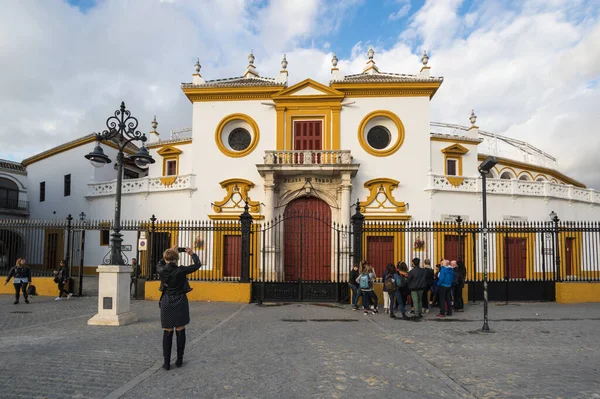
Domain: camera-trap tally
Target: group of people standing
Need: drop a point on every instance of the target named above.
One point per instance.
(410, 292)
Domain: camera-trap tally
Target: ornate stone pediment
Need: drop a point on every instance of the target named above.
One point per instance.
(234, 200)
(381, 203)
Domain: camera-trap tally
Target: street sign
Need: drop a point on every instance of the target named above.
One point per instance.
(142, 244)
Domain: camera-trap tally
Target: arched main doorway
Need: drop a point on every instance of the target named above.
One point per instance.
(307, 240)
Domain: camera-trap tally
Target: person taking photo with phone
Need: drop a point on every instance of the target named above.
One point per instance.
(174, 306)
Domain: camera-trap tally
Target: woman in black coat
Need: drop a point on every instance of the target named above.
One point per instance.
(22, 277)
(174, 306)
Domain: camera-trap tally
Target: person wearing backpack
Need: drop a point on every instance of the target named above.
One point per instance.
(403, 291)
(365, 283)
(445, 286)
(21, 276)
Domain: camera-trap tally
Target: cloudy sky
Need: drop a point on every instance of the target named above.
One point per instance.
(531, 69)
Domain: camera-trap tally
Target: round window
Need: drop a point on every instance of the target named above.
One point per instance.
(379, 137)
(239, 139)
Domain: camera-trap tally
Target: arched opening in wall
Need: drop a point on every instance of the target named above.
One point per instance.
(12, 247)
(524, 178)
(506, 176)
(9, 194)
(307, 240)
(540, 179)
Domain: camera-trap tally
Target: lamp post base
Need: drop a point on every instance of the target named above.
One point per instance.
(113, 297)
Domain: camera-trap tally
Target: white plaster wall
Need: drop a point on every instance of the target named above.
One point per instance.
(212, 166)
(53, 169)
(410, 164)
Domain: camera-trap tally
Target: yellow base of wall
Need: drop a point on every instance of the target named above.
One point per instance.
(44, 286)
(208, 291)
(576, 292)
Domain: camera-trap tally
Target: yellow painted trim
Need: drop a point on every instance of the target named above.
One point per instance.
(67, 147)
(44, 286)
(376, 217)
(336, 129)
(454, 140)
(455, 181)
(381, 185)
(280, 143)
(541, 175)
(577, 292)
(161, 145)
(168, 151)
(208, 93)
(167, 181)
(207, 291)
(508, 168)
(451, 229)
(399, 139)
(234, 217)
(455, 149)
(526, 172)
(458, 160)
(397, 89)
(328, 92)
(576, 256)
(240, 187)
(375, 230)
(535, 169)
(253, 143)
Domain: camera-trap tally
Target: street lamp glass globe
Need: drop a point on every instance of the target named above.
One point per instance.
(142, 163)
(96, 163)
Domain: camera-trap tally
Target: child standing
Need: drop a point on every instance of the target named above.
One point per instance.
(365, 283)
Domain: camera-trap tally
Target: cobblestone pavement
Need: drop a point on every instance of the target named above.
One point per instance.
(301, 351)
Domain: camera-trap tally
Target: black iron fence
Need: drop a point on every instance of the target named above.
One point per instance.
(304, 255)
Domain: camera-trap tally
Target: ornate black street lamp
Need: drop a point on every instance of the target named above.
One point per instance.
(121, 131)
(484, 168)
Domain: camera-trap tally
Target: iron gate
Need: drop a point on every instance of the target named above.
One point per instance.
(304, 257)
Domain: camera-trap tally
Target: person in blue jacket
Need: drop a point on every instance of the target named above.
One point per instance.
(444, 283)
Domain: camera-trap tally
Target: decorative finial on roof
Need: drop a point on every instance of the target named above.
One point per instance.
(154, 125)
(371, 68)
(197, 65)
(251, 69)
(370, 53)
(334, 60)
(473, 118)
(284, 63)
(425, 58)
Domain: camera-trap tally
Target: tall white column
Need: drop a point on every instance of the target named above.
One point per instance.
(269, 244)
(269, 196)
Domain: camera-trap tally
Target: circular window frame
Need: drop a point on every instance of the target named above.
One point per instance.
(391, 149)
(255, 134)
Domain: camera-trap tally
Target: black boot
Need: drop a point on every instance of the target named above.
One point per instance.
(180, 347)
(167, 345)
(392, 315)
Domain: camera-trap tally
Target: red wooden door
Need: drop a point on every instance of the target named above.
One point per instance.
(308, 135)
(515, 257)
(380, 253)
(307, 240)
(232, 255)
(451, 251)
(569, 256)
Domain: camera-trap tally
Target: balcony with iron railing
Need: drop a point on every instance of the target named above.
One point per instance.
(291, 162)
(13, 206)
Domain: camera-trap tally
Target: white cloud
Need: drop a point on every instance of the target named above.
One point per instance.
(402, 12)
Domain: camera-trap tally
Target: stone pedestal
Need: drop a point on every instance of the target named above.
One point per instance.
(113, 297)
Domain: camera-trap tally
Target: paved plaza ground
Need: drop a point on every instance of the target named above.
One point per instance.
(301, 351)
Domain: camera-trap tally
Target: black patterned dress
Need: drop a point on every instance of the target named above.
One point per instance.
(174, 306)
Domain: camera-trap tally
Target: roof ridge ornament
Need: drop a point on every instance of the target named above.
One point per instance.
(197, 79)
(473, 131)
(284, 63)
(154, 135)
(335, 71)
(283, 74)
(371, 68)
(425, 69)
(251, 71)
